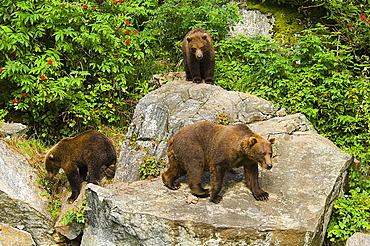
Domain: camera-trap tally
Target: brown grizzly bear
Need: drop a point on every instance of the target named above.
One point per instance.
(81, 157)
(217, 148)
(199, 56)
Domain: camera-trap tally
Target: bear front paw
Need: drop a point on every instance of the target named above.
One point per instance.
(174, 186)
(216, 199)
(72, 198)
(209, 81)
(261, 195)
(197, 80)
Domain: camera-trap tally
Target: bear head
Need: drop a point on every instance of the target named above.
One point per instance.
(259, 150)
(52, 163)
(198, 44)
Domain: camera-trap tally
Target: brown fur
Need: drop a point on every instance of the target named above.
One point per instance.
(199, 56)
(81, 157)
(217, 148)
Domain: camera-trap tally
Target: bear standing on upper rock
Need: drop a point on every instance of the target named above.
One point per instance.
(81, 157)
(199, 56)
(209, 146)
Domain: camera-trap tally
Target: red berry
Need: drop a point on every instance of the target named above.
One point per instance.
(15, 100)
(127, 41)
(43, 77)
(127, 32)
(50, 62)
(24, 94)
(84, 6)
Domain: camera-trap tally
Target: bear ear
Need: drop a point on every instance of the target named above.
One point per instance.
(252, 141)
(51, 157)
(272, 140)
(204, 36)
(188, 38)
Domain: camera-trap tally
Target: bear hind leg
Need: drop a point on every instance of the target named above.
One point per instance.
(83, 172)
(93, 175)
(217, 177)
(195, 183)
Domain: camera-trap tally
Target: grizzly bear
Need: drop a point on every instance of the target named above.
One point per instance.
(199, 56)
(207, 146)
(81, 158)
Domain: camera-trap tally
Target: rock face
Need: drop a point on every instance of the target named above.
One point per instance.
(21, 204)
(10, 129)
(253, 23)
(307, 176)
(13, 236)
(358, 239)
(177, 104)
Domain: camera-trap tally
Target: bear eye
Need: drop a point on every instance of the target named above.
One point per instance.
(193, 50)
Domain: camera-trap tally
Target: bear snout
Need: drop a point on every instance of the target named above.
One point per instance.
(50, 176)
(199, 55)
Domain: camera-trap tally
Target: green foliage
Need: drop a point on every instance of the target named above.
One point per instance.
(351, 214)
(223, 118)
(54, 208)
(309, 77)
(151, 167)
(173, 19)
(45, 183)
(67, 65)
(75, 215)
(352, 18)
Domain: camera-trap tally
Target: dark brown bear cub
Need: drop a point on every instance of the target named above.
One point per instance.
(199, 56)
(81, 157)
(217, 148)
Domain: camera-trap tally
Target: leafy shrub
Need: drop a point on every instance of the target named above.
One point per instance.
(75, 215)
(173, 19)
(151, 167)
(350, 18)
(308, 77)
(223, 118)
(68, 66)
(351, 214)
(54, 208)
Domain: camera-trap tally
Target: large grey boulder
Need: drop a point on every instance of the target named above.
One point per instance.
(12, 129)
(161, 113)
(13, 236)
(307, 176)
(358, 239)
(21, 205)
